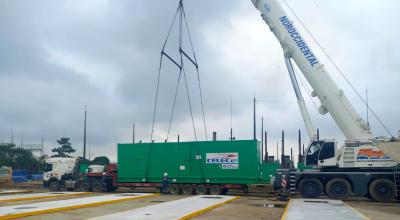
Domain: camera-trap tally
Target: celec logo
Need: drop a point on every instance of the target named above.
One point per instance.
(222, 158)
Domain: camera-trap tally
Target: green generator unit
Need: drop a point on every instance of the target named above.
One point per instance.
(203, 162)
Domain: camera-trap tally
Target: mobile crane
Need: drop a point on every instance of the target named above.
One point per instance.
(365, 165)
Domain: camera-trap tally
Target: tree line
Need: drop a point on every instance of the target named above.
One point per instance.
(22, 159)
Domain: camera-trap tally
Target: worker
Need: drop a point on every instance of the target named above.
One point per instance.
(165, 184)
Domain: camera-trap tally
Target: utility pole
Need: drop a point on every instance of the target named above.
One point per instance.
(262, 138)
(266, 146)
(291, 158)
(133, 132)
(42, 152)
(84, 135)
(283, 150)
(254, 118)
(277, 150)
(231, 132)
(367, 104)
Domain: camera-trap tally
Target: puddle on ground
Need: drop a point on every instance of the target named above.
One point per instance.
(25, 207)
(126, 194)
(316, 201)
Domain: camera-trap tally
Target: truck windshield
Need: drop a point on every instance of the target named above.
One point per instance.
(48, 167)
(315, 146)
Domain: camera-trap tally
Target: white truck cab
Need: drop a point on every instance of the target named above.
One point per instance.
(57, 167)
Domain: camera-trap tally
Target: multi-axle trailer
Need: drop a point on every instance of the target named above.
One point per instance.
(192, 167)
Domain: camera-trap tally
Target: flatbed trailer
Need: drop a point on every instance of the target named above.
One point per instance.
(205, 167)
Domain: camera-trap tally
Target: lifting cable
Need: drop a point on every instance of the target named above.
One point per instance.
(180, 65)
(339, 70)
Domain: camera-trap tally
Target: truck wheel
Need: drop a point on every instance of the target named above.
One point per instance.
(310, 188)
(338, 188)
(201, 189)
(84, 186)
(215, 190)
(53, 186)
(174, 189)
(96, 186)
(382, 190)
(187, 189)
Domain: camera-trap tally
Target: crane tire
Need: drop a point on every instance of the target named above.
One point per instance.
(310, 188)
(338, 188)
(382, 190)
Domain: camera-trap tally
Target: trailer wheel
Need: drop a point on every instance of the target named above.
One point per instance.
(310, 188)
(201, 189)
(338, 188)
(215, 190)
(174, 189)
(84, 186)
(53, 186)
(382, 190)
(187, 189)
(96, 186)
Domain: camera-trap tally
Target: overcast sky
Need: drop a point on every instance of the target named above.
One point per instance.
(58, 56)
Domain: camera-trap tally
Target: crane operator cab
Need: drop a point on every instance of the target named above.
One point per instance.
(321, 153)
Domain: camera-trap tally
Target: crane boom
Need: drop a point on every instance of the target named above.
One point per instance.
(333, 99)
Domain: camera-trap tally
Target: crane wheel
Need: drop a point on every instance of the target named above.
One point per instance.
(175, 189)
(382, 190)
(187, 189)
(310, 188)
(215, 190)
(96, 186)
(338, 188)
(201, 189)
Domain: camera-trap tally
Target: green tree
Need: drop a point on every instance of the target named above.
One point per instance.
(65, 148)
(18, 158)
(101, 160)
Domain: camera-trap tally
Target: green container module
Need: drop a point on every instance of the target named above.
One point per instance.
(224, 162)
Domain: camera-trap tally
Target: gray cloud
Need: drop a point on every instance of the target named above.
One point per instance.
(57, 56)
